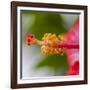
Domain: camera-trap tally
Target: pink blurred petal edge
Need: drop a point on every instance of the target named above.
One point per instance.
(73, 54)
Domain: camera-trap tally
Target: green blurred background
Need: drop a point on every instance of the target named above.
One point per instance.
(34, 63)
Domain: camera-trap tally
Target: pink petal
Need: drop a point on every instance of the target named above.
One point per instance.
(73, 54)
(74, 70)
(73, 38)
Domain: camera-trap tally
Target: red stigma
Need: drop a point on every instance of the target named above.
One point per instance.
(29, 39)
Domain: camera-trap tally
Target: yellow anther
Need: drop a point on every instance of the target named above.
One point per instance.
(51, 41)
(61, 37)
(62, 53)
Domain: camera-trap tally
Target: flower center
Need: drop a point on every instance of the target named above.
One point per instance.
(51, 44)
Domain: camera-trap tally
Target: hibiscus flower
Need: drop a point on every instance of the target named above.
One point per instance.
(67, 43)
